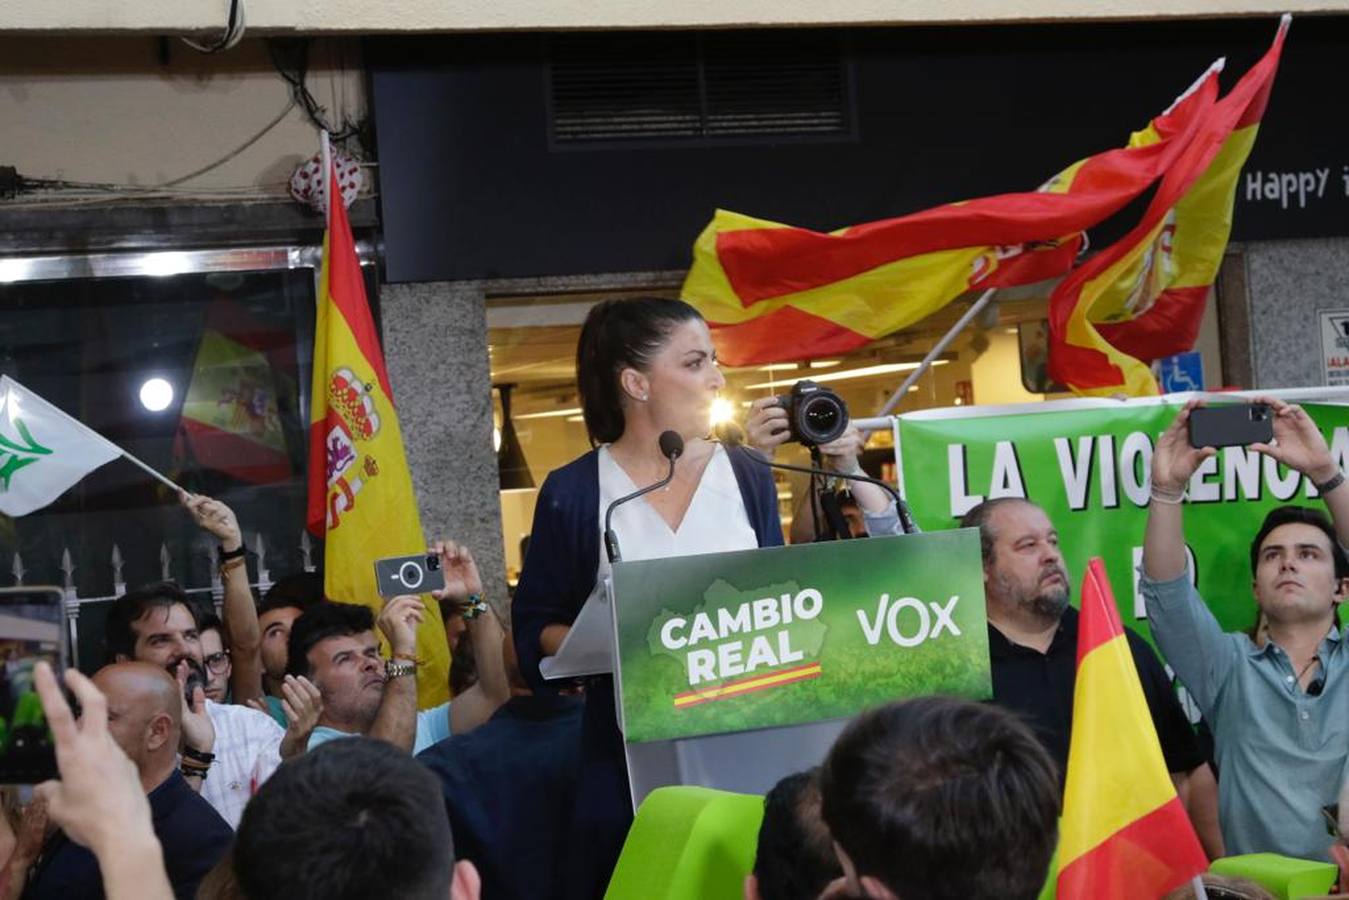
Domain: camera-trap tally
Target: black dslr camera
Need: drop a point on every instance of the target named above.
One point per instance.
(815, 415)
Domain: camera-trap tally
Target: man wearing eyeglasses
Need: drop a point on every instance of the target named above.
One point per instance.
(216, 658)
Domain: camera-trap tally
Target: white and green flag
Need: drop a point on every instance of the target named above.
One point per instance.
(43, 451)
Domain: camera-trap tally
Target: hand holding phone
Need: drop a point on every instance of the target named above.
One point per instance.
(1234, 425)
(419, 574)
(32, 629)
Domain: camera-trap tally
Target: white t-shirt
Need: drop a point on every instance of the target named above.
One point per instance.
(247, 752)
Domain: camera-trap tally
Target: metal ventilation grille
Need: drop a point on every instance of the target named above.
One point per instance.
(626, 87)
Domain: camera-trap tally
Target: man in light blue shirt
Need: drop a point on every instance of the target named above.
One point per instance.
(334, 645)
(1277, 707)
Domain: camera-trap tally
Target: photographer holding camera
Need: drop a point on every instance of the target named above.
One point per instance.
(770, 424)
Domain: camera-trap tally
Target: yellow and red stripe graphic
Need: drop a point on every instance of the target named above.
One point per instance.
(1143, 297)
(742, 686)
(1124, 830)
(773, 292)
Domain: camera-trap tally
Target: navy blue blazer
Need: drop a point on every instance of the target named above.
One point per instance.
(564, 546)
(558, 576)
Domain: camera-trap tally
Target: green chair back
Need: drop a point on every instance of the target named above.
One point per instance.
(688, 843)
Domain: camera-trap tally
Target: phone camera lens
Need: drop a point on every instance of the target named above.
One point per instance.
(410, 574)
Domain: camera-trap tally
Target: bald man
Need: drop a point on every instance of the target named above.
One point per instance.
(144, 718)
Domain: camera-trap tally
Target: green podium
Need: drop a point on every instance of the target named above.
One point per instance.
(735, 669)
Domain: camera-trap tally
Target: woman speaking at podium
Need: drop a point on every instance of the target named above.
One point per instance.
(643, 367)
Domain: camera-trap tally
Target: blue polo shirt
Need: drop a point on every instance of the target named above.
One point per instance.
(1280, 751)
(433, 726)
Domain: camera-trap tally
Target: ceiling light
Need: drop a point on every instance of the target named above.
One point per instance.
(156, 394)
(865, 372)
(574, 411)
(824, 363)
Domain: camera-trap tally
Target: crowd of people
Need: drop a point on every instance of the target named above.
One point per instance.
(275, 749)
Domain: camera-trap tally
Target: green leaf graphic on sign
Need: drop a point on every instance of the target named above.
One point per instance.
(17, 455)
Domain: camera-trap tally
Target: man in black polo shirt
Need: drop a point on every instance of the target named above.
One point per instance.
(1032, 642)
(144, 718)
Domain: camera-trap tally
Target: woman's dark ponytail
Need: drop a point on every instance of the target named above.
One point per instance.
(618, 335)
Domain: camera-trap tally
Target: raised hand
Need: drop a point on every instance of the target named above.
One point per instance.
(1298, 443)
(303, 705)
(398, 623)
(214, 517)
(198, 730)
(461, 572)
(99, 794)
(1174, 460)
(766, 428)
(842, 453)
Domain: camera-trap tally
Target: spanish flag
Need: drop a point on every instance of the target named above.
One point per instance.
(773, 292)
(360, 489)
(1124, 832)
(1142, 298)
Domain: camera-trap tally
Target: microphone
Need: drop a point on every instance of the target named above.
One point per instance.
(906, 523)
(671, 447)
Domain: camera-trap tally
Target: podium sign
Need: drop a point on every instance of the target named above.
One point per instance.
(727, 642)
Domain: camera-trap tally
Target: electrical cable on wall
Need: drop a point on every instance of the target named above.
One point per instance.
(234, 31)
(291, 59)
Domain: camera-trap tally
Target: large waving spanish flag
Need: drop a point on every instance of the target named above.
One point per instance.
(1143, 297)
(1124, 832)
(360, 489)
(773, 292)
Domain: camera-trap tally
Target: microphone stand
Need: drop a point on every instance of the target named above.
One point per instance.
(906, 522)
(611, 539)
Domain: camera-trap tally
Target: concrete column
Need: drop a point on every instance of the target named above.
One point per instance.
(435, 340)
(1288, 282)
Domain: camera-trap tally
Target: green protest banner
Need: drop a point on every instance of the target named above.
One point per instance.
(727, 642)
(1087, 463)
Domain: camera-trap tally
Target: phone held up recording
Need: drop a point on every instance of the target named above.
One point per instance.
(1231, 425)
(32, 628)
(418, 574)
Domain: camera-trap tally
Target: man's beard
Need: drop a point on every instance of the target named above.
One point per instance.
(1045, 603)
(1050, 605)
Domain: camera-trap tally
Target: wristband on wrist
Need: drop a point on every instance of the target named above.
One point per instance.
(227, 555)
(192, 771)
(198, 756)
(474, 608)
(1169, 497)
(1326, 487)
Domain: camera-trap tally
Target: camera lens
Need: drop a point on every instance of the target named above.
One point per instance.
(410, 574)
(822, 419)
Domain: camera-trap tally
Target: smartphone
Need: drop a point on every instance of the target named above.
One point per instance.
(418, 574)
(32, 628)
(1234, 425)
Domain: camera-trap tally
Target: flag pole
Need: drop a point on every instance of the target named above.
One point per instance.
(327, 175)
(129, 458)
(936, 351)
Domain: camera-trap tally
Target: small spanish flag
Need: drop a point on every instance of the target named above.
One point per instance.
(1124, 832)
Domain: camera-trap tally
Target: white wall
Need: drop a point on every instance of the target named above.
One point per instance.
(109, 110)
(318, 16)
